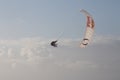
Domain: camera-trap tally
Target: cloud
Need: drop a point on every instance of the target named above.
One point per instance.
(34, 58)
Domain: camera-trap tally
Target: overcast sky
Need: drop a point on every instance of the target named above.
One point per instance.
(28, 26)
(35, 59)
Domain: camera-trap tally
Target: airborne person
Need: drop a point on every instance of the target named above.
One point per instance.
(54, 43)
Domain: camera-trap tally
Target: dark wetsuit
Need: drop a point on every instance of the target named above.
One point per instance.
(53, 43)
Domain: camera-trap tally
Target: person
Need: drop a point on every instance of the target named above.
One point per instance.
(54, 43)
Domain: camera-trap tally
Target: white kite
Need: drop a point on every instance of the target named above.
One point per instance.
(89, 29)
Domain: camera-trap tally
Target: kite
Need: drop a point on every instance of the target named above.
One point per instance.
(89, 29)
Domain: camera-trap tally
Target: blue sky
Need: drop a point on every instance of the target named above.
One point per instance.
(49, 18)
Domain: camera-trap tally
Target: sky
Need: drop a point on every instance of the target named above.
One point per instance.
(28, 26)
(35, 59)
(50, 18)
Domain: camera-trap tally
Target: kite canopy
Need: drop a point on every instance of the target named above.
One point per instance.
(89, 29)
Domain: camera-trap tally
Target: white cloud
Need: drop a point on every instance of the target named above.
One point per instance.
(34, 58)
